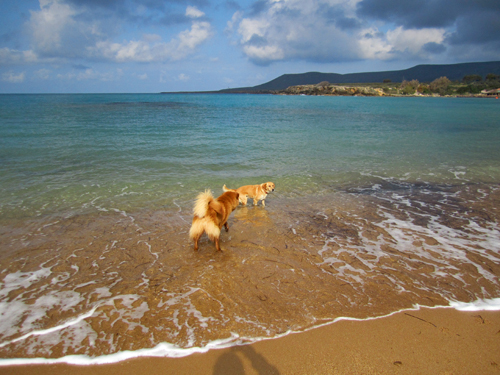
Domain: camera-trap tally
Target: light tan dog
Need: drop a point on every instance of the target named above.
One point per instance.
(257, 192)
(211, 214)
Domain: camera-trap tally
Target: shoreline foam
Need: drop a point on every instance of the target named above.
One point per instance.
(433, 341)
(167, 350)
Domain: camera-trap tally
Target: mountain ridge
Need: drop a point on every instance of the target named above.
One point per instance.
(422, 73)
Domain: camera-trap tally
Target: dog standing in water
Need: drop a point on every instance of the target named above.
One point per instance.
(257, 192)
(211, 214)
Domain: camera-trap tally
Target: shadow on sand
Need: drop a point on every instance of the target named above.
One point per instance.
(231, 362)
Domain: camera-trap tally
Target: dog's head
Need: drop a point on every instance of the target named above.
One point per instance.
(269, 187)
(233, 198)
(227, 201)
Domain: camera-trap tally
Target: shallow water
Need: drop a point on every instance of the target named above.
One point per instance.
(380, 204)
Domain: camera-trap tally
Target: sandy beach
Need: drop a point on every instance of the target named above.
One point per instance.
(425, 341)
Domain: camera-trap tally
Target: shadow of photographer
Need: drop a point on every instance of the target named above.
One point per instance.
(231, 363)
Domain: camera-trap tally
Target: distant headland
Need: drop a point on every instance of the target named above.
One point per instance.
(464, 79)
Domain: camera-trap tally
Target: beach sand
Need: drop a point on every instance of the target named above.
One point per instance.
(425, 341)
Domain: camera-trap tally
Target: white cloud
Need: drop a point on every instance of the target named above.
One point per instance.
(250, 28)
(49, 22)
(12, 57)
(184, 44)
(322, 31)
(183, 77)
(234, 21)
(413, 40)
(13, 78)
(60, 33)
(397, 42)
(294, 29)
(60, 30)
(190, 39)
(194, 12)
(373, 45)
(264, 52)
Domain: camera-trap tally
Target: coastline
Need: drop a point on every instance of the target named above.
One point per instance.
(433, 341)
(328, 89)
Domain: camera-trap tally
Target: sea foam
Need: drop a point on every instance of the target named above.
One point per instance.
(168, 350)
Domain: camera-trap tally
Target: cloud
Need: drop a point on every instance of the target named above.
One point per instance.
(348, 30)
(290, 30)
(412, 41)
(184, 44)
(64, 30)
(13, 57)
(13, 78)
(467, 22)
(58, 30)
(193, 12)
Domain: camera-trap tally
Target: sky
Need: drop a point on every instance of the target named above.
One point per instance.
(136, 46)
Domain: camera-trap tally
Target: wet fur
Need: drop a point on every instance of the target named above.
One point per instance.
(256, 192)
(211, 214)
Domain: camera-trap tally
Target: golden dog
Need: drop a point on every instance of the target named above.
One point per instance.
(211, 214)
(257, 192)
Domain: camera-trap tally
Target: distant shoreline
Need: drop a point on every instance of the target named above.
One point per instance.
(308, 90)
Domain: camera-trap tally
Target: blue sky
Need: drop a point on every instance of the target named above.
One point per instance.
(85, 46)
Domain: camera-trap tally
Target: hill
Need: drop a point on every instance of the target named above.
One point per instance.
(422, 73)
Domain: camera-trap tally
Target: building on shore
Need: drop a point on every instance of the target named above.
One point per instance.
(494, 92)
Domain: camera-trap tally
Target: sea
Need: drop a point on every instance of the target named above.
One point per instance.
(382, 204)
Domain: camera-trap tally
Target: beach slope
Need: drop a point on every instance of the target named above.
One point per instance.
(425, 341)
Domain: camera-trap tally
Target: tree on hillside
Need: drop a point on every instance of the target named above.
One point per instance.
(409, 88)
(492, 77)
(440, 85)
(472, 78)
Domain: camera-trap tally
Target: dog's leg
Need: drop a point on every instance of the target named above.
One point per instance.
(263, 203)
(256, 202)
(196, 239)
(217, 245)
(226, 226)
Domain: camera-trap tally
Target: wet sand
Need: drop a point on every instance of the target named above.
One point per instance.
(425, 341)
(131, 281)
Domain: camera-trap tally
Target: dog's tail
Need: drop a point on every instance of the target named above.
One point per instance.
(225, 188)
(202, 222)
(202, 203)
(204, 225)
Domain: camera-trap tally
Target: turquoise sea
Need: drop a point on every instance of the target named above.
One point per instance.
(381, 204)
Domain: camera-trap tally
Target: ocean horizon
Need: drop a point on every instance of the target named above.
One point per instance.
(381, 205)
